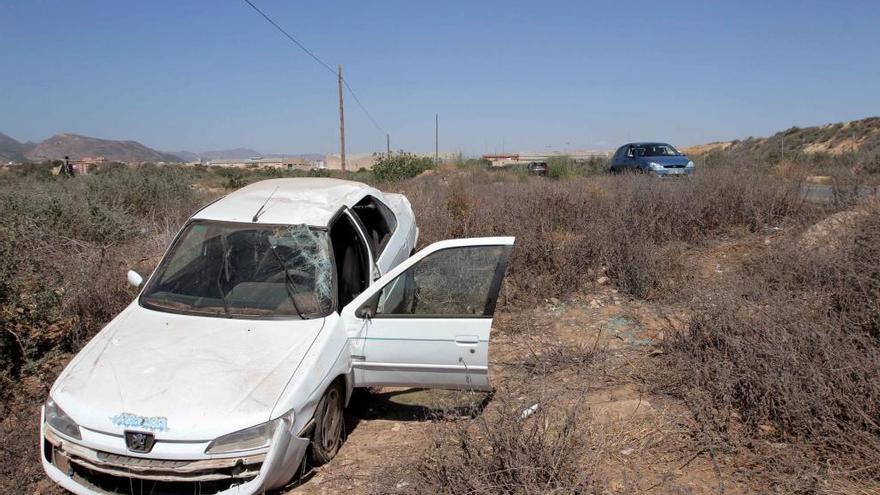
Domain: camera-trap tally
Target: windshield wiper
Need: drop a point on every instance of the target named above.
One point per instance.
(289, 286)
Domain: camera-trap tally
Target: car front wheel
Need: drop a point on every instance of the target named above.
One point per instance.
(329, 425)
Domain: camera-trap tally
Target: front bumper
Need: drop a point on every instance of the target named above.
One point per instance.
(87, 471)
(673, 172)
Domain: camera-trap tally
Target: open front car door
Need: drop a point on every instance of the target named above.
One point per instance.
(426, 323)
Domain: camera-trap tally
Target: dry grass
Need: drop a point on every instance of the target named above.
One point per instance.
(567, 232)
(550, 451)
(787, 354)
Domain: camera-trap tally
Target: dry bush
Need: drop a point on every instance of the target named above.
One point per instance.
(65, 245)
(550, 451)
(790, 351)
(567, 231)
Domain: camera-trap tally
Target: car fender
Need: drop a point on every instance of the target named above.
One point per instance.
(328, 358)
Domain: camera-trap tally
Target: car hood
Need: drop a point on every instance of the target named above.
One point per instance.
(666, 160)
(194, 378)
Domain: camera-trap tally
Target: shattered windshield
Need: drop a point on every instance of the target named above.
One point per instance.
(227, 269)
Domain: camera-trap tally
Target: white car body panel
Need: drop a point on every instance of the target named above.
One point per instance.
(205, 377)
(405, 237)
(230, 384)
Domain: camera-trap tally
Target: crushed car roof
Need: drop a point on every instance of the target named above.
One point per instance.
(310, 201)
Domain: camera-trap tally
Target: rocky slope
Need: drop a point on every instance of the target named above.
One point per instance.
(842, 137)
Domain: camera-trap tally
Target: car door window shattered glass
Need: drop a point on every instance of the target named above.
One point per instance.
(451, 282)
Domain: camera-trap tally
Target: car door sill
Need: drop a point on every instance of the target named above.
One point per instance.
(433, 368)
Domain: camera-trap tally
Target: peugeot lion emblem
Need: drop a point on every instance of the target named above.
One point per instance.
(138, 441)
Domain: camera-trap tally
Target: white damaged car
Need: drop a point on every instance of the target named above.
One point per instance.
(243, 346)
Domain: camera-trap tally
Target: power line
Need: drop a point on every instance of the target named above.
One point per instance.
(315, 57)
(358, 101)
(291, 38)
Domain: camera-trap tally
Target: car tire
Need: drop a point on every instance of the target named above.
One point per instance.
(329, 425)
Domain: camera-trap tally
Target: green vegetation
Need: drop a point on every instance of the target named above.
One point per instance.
(564, 167)
(400, 166)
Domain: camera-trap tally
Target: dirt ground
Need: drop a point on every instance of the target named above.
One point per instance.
(650, 447)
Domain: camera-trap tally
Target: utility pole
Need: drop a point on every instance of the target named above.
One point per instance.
(341, 123)
(436, 138)
(388, 144)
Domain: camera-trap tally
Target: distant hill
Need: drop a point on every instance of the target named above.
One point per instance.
(843, 137)
(187, 156)
(12, 150)
(77, 147)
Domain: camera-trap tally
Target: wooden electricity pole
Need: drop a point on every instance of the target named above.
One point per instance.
(388, 144)
(436, 138)
(341, 124)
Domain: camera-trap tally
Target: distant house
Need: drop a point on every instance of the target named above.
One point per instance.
(505, 159)
(260, 162)
(353, 161)
(83, 164)
(502, 160)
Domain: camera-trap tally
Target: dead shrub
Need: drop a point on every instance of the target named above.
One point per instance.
(567, 231)
(65, 246)
(512, 448)
(790, 351)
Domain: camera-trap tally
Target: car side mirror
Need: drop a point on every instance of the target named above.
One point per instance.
(365, 312)
(134, 279)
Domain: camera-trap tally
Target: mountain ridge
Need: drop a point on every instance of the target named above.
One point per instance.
(77, 147)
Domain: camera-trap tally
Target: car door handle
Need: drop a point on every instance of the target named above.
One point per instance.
(467, 340)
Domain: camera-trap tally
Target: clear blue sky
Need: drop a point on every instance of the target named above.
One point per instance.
(200, 75)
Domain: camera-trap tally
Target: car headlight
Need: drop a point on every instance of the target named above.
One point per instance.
(60, 421)
(655, 166)
(690, 164)
(255, 437)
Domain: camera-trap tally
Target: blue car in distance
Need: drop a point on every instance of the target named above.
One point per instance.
(660, 159)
